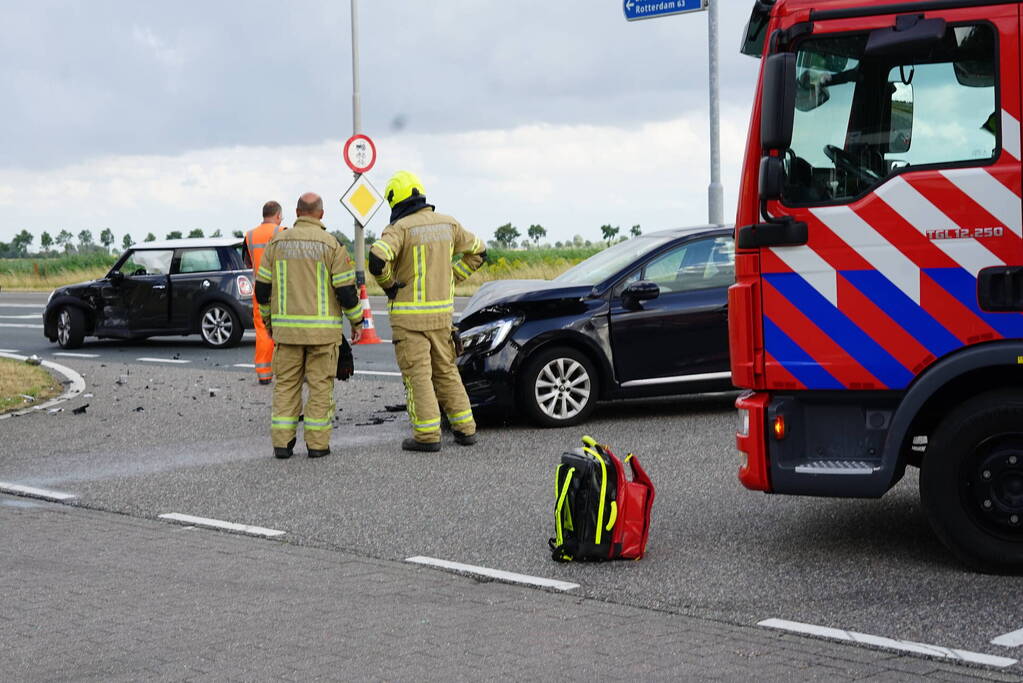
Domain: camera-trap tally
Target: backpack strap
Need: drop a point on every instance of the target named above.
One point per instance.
(557, 544)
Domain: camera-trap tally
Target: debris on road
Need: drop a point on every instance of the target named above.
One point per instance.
(122, 379)
(86, 395)
(28, 399)
(55, 410)
(213, 391)
(139, 409)
(34, 360)
(80, 410)
(396, 408)
(373, 421)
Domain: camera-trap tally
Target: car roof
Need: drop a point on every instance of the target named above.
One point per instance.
(191, 243)
(689, 232)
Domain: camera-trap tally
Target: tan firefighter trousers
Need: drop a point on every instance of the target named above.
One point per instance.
(426, 359)
(317, 364)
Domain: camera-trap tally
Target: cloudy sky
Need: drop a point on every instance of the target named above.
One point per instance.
(157, 116)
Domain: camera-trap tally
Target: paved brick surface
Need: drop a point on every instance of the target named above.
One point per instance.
(88, 595)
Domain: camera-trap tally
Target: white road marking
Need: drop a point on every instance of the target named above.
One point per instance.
(162, 360)
(1012, 639)
(375, 372)
(75, 355)
(8, 350)
(35, 306)
(511, 577)
(219, 524)
(888, 643)
(29, 316)
(24, 326)
(33, 492)
(245, 365)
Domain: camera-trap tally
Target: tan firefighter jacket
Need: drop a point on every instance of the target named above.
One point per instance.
(304, 265)
(418, 250)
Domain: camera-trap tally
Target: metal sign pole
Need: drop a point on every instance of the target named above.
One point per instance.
(715, 191)
(360, 242)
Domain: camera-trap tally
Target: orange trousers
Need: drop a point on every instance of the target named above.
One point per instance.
(264, 347)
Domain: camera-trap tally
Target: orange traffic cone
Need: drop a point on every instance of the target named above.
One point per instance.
(369, 332)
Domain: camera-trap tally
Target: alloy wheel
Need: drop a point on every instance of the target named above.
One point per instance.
(217, 326)
(64, 327)
(562, 388)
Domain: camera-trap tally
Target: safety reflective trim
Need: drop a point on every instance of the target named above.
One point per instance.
(282, 286)
(410, 399)
(343, 278)
(354, 314)
(307, 318)
(459, 418)
(462, 270)
(419, 273)
(331, 324)
(476, 246)
(426, 427)
(278, 228)
(264, 273)
(407, 308)
(386, 248)
(314, 425)
(321, 290)
(283, 422)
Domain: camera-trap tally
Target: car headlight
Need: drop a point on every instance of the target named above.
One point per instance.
(488, 336)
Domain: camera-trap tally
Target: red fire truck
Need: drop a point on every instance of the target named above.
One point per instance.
(876, 315)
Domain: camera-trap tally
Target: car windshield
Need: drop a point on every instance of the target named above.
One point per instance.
(604, 264)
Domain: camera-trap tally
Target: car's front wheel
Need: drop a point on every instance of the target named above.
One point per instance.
(558, 387)
(70, 327)
(220, 326)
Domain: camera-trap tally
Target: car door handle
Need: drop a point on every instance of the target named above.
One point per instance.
(159, 286)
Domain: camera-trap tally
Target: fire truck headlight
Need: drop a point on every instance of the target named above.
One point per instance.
(743, 422)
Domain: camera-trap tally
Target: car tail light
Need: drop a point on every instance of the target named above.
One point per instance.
(751, 440)
(244, 286)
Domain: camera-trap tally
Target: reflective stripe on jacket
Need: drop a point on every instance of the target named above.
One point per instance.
(303, 266)
(257, 239)
(418, 250)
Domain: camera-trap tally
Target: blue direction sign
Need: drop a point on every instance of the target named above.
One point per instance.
(648, 9)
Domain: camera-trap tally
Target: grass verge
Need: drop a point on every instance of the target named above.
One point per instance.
(18, 380)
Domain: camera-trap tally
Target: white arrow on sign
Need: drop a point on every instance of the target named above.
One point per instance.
(630, 4)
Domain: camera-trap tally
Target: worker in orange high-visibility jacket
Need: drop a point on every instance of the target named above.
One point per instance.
(255, 242)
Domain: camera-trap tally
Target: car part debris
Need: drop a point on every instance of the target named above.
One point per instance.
(396, 408)
(86, 395)
(33, 360)
(55, 410)
(139, 409)
(213, 391)
(27, 397)
(80, 410)
(122, 379)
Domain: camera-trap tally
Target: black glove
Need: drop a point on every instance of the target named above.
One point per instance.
(392, 291)
(345, 361)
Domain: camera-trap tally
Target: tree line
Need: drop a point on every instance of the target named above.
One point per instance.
(507, 237)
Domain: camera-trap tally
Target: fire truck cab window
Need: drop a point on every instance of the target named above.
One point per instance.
(859, 118)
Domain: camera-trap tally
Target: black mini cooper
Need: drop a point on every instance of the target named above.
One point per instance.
(187, 286)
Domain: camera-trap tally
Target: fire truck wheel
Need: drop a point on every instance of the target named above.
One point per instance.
(971, 482)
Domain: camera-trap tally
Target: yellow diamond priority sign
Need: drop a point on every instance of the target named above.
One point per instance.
(362, 200)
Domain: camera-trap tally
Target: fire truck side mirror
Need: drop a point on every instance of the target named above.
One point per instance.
(778, 101)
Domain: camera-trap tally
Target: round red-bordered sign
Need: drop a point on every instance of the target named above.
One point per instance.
(360, 153)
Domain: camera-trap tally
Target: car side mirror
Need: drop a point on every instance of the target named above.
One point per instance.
(644, 290)
(116, 277)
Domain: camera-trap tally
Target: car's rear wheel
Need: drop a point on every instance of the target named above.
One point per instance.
(70, 327)
(558, 387)
(220, 326)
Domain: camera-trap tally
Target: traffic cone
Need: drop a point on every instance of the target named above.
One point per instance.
(369, 332)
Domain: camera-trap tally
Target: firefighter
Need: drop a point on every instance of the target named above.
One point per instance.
(255, 242)
(412, 261)
(304, 284)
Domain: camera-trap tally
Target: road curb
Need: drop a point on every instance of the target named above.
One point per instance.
(76, 388)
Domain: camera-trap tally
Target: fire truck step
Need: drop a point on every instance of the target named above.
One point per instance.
(856, 467)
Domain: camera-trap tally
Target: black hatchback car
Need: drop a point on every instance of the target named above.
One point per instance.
(646, 317)
(187, 286)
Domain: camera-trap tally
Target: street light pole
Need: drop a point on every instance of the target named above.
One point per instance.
(360, 242)
(715, 191)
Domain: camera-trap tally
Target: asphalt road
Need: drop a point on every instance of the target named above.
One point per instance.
(716, 550)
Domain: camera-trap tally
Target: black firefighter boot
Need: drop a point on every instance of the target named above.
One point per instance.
(286, 452)
(464, 439)
(413, 445)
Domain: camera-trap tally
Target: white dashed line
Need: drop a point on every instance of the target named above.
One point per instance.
(23, 326)
(68, 354)
(162, 360)
(499, 574)
(888, 643)
(245, 365)
(35, 306)
(29, 316)
(1011, 639)
(8, 350)
(33, 492)
(219, 524)
(375, 372)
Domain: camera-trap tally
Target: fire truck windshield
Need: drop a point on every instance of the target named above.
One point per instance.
(861, 118)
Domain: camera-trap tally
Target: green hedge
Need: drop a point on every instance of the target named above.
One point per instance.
(55, 264)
